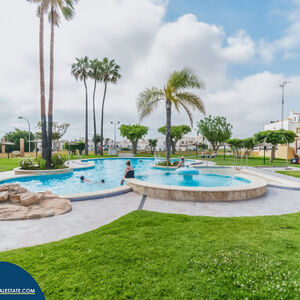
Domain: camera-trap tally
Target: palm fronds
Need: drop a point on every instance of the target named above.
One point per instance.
(148, 100)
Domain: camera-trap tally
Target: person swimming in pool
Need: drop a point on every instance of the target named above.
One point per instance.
(129, 172)
(83, 179)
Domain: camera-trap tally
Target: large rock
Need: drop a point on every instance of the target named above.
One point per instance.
(23, 204)
(4, 196)
(59, 205)
(30, 199)
(14, 198)
(4, 187)
(19, 212)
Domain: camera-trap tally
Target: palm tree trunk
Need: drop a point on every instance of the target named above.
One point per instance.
(42, 83)
(86, 146)
(94, 117)
(51, 88)
(168, 129)
(102, 117)
(173, 145)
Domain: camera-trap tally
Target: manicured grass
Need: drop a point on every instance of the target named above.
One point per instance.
(290, 173)
(8, 164)
(146, 255)
(254, 161)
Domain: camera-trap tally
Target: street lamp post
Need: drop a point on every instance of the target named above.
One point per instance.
(28, 130)
(282, 85)
(115, 131)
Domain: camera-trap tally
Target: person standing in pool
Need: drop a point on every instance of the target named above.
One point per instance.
(181, 162)
(129, 172)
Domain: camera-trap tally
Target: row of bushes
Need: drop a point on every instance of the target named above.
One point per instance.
(38, 163)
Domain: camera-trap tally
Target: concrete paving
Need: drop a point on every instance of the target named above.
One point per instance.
(91, 214)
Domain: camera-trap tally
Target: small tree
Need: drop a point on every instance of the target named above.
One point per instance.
(133, 133)
(152, 144)
(215, 130)
(274, 137)
(236, 145)
(177, 132)
(80, 147)
(96, 140)
(58, 130)
(248, 144)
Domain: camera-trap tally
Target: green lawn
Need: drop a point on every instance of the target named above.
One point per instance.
(290, 173)
(8, 164)
(254, 161)
(146, 255)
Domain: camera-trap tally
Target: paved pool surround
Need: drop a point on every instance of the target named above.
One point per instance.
(256, 188)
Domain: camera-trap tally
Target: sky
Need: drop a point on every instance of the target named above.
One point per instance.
(242, 50)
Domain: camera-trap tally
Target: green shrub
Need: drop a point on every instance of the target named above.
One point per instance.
(165, 163)
(58, 160)
(42, 164)
(28, 163)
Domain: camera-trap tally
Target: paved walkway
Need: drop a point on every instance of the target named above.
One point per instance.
(91, 214)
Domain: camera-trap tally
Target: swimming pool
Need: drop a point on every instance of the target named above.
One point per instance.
(112, 170)
(109, 169)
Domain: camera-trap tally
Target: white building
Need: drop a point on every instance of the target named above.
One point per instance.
(291, 123)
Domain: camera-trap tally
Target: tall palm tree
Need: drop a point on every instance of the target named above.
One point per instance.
(95, 73)
(80, 70)
(42, 8)
(173, 94)
(109, 73)
(66, 8)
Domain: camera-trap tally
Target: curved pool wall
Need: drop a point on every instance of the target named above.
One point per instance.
(108, 168)
(256, 188)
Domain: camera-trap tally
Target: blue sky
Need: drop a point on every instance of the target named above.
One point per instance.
(261, 19)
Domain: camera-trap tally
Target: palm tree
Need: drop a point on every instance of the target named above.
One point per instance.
(95, 73)
(40, 12)
(174, 93)
(80, 70)
(67, 9)
(109, 73)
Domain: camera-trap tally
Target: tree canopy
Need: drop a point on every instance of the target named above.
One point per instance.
(235, 144)
(15, 136)
(175, 93)
(274, 137)
(215, 129)
(177, 132)
(133, 133)
(58, 130)
(152, 144)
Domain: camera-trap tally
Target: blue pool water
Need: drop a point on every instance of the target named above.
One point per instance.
(112, 170)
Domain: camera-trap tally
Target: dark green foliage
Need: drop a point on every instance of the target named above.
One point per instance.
(216, 130)
(235, 144)
(15, 136)
(133, 133)
(58, 160)
(152, 144)
(177, 132)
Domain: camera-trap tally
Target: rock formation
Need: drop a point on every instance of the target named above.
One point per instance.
(17, 203)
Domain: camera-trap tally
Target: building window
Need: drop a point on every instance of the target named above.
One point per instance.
(298, 130)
